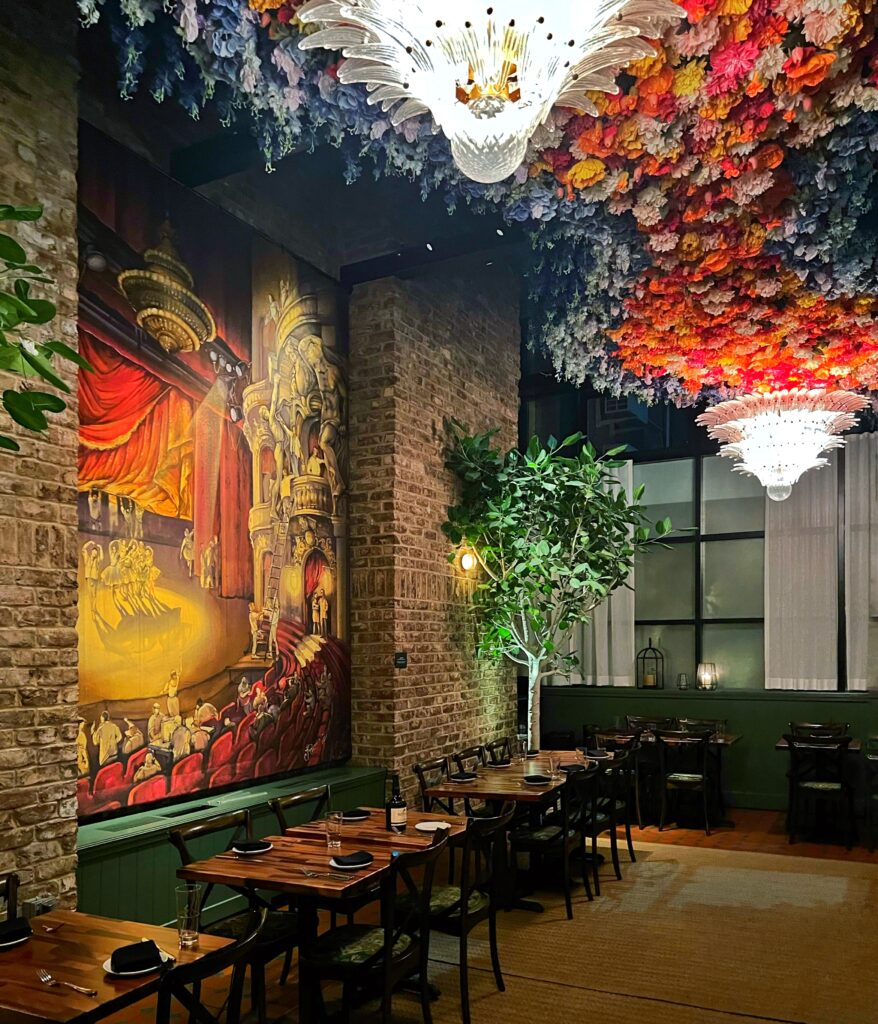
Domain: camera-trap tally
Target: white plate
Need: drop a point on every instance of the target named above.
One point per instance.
(491, 764)
(333, 863)
(471, 778)
(356, 817)
(166, 958)
(252, 853)
(432, 826)
(530, 756)
(15, 942)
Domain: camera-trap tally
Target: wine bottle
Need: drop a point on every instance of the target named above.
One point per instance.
(396, 810)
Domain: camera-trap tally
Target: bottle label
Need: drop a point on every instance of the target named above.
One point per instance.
(398, 816)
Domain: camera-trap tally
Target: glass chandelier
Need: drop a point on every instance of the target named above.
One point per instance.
(778, 436)
(488, 73)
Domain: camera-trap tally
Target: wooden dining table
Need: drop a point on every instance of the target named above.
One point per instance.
(75, 951)
(497, 785)
(854, 747)
(303, 849)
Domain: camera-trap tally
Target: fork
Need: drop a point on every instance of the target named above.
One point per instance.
(52, 927)
(51, 980)
(337, 875)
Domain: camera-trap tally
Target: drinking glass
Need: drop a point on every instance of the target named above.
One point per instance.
(188, 914)
(554, 766)
(521, 749)
(682, 681)
(333, 830)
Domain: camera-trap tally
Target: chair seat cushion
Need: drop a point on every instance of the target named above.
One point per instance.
(545, 833)
(821, 787)
(354, 944)
(444, 897)
(685, 777)
(280, 927)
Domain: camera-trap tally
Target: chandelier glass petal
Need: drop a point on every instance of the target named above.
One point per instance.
(488, 75)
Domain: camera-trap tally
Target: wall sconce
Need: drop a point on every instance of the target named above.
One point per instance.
(467, 561)
(705, 676)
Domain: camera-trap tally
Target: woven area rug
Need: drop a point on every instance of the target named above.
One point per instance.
(689, 936)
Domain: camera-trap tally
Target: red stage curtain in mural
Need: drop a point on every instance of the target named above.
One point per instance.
(135, 433)
(313, 571)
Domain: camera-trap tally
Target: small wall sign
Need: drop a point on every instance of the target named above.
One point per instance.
(400, 660)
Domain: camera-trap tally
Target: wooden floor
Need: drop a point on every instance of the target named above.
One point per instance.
(757, 832)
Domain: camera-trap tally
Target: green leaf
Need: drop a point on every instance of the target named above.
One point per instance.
(9, 444)
(20, 407)
(68, 353)
(21, 288)
(40, 311)
(11, 251)
(50, 403)
(8, 212)
(44, 369)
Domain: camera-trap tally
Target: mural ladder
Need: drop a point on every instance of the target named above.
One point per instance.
(278, 560)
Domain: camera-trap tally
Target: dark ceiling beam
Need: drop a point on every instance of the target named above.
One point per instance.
(215, 158)
(411, 259)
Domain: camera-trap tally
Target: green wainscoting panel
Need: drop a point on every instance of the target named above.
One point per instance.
(127, 867)
(754, 772)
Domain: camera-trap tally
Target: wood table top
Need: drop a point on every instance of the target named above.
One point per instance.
(281, 869)
(727, 739)
(499, 784)
(854, 747)
(76, 953)
(374, 828)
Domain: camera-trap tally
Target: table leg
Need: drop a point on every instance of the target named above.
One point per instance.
(308, 921)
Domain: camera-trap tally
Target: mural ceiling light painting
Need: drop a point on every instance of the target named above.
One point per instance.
(489, 76)
(778, 436)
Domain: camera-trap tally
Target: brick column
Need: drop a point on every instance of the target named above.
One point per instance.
(422, 351)
(38, 521)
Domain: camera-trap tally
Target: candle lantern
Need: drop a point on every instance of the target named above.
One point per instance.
(706, 676)
(650, 668)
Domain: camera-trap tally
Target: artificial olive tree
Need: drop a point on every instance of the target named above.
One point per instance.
(554, 534)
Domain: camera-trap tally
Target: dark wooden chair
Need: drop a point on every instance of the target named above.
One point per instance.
(647, 779)
(457, 909)
(9, 893)
(376, 959)
(831, 729)
(499, 750)
(314, 801)
(277, 937)
(558, 739)
(818, 775)
(871, 761)
(429, 773)
(176, 983)
(699, 724)
(470, 758)
(616, 797)
(684, 766)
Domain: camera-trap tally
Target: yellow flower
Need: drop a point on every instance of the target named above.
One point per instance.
(689, 247)
(733, 7)
(586, 173)
(264, 5)
(628, 140)
(647, 66)
(688, 78)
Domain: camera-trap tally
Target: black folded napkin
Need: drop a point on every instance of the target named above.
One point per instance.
(13, 930)
(252, 846)
(571, 768)
(597, 754)
(532, 752)
(505, 763)
(358, 859)
(139, 956)
(535, 780)
(356, 812)
(463, 776)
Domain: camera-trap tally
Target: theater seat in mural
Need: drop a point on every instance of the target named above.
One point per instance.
(134, 762)
(223, 777)
(243, 733)
(109, 782)
(145, 792)
(266, 740)
(245, 760)
(221, 751)
(266, 764)
(186, 775)
(84, 800)
(289, 742)
(227, 712)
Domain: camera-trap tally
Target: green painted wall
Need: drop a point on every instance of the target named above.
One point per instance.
(127, 866)
(754, 772)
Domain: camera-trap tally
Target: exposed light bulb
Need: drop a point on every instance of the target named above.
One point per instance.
(488, 79)
(467, 561)
(778, 436)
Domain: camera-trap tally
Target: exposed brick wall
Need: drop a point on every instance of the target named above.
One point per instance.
(421, 351)
(38, 551)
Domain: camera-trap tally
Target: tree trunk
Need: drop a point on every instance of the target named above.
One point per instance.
(533, 703)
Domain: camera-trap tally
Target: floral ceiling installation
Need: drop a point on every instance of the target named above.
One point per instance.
(709, 233)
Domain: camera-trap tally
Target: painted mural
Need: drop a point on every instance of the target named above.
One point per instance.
(213, 467)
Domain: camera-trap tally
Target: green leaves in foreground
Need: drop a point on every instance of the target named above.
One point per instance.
(19, 354)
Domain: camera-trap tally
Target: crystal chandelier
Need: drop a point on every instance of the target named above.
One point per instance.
(489, 75)
(778, 436)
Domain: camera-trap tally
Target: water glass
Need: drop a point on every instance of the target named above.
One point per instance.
(333, 830)
(521, 749)
(188, 914)
(554, 766)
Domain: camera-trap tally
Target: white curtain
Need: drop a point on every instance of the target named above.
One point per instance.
(861, 559)
(605, 645)
(801, 595)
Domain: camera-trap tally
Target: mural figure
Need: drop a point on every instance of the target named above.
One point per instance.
(106, 736)
(187, 550)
